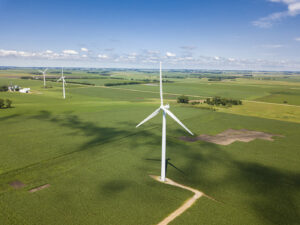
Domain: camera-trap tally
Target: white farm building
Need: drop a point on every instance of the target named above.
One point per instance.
(24, 90)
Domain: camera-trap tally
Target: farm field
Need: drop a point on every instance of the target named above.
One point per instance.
(97, 163)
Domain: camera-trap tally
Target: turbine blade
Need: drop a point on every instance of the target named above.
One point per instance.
(160, 85)
(58, 80)
(45, 70)
(149, 117)
(41, 71)
(177, 120)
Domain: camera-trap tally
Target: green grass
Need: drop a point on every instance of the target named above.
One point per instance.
(97, 163)
(282, 112)
(290, 97)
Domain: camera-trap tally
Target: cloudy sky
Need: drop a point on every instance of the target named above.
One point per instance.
(241, 34)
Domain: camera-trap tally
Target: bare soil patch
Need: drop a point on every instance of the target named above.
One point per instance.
(17, 184)
(229, 136)
(39, 188)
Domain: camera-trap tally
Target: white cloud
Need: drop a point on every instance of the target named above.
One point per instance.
(148, 59)
(70, 52)
(103, 56)
(48, 54)
(297, 39)
(16, 53)
(170, 54)
(293, 9)
(84, 49)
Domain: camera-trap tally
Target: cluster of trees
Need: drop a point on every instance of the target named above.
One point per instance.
(4, 88)
(217, 101)
(123, 83)
(83, 83)
(152, 81)
(222, 101)
(220, 78)
(26, 78)
(183, 99)
(164, 81)
(136, 81)
(59, 72)
(5, 103)
(177, 77)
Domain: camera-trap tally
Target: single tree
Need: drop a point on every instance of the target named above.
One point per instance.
(4, 88)
(8, 103)
(183, 99)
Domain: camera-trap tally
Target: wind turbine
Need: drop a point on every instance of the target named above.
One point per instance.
(63, 82)
(44, 75)
(165, 110)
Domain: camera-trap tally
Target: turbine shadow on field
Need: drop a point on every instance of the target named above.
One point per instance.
(9, 117)
(273, 191)
(98, 134)
(167, 164)
(115, 186)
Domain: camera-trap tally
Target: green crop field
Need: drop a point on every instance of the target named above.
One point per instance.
(97, 163)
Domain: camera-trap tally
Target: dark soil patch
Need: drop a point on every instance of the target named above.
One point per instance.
(17, 184)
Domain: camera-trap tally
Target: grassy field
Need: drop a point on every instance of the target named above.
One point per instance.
(97, 163)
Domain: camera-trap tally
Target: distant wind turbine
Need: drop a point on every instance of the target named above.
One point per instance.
(44, 75)
(63, 82)
(165, 109)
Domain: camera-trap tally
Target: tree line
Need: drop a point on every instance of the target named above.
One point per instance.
(3, 88)
(222, 101)
(217, 101)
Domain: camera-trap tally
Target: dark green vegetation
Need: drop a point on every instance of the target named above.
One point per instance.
(97, 163)
(3, 88)
(5, 103)
(123, 83)
(222, 101)
(183, 99)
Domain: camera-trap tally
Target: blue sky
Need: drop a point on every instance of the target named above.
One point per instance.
(244, 34)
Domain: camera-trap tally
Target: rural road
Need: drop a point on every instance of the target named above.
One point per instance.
(184, 206)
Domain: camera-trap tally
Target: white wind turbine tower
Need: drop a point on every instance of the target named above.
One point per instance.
(63, 82)
(165, 110)
(44, 76)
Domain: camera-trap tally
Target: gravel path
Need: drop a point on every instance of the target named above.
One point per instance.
(187, 204)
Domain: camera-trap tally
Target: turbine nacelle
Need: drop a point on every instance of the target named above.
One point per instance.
(167, 106)
(43, 72)
(164, 108)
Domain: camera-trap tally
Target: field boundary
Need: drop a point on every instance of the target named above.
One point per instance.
(196, 96)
